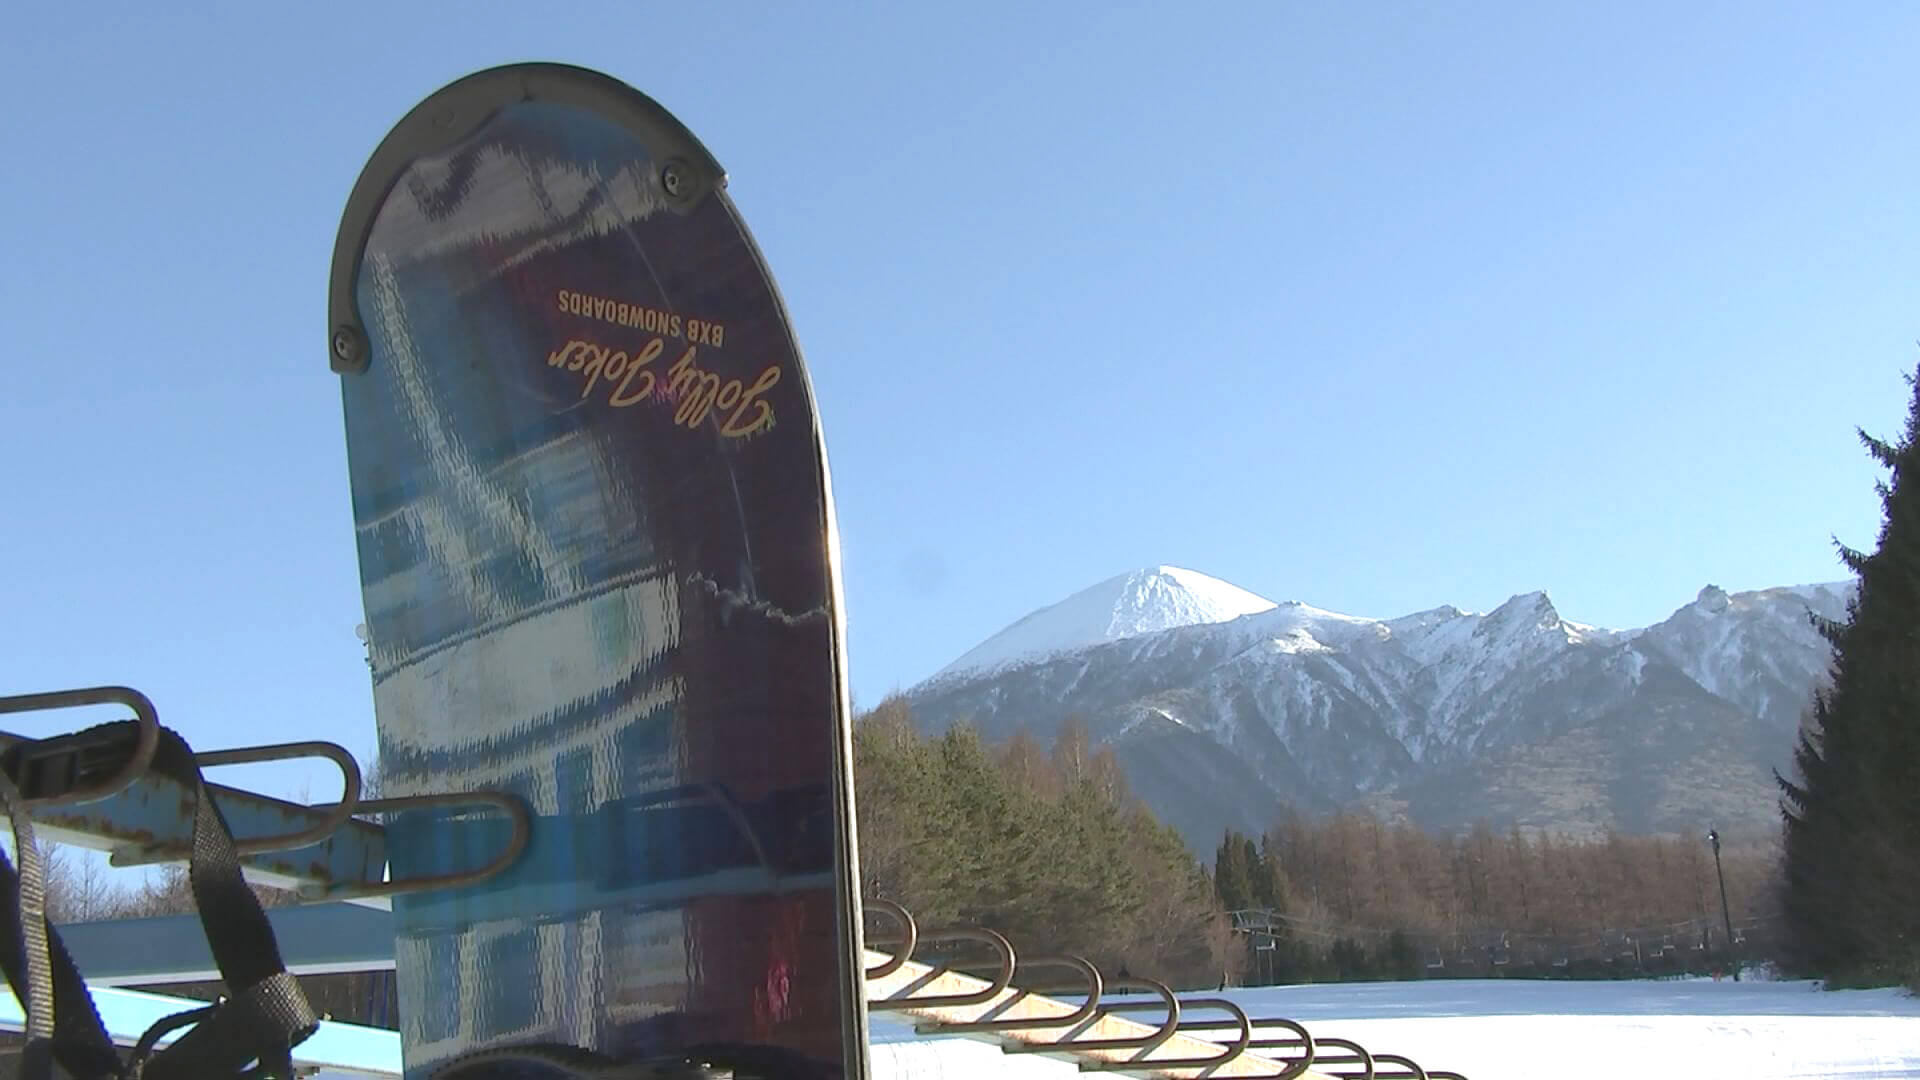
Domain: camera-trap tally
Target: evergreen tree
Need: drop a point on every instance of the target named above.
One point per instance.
(1232, 876)
(1852, 811)
(1402, 960)
(1259, 892)
(1270, 889)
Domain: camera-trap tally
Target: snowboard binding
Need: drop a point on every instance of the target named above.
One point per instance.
(136, 789)
(249, 1034)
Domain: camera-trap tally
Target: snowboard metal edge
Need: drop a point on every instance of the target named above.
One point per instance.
(846, 840)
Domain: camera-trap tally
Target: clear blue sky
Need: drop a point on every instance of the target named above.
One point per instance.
(1374, 306)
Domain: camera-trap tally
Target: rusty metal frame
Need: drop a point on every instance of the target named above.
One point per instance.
(1305, 1050)
(1231, 1050)
(1001, 980)
(1356, 1055)
(146, 740)
(1146, 1044)
(908, 939)
(1087, 1010)
(327, 852)
(508, 804)
(325, 826)
(1302, 1041)
(134, 812)
(1409, 1069)
(146, 813)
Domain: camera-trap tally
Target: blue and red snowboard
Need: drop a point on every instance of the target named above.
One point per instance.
(599, 566)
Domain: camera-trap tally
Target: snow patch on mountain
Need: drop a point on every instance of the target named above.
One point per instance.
(1748, 646)
(1130, 605)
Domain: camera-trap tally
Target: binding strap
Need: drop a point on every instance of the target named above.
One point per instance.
(80, 1042)
(267, 1014)
(26, 959)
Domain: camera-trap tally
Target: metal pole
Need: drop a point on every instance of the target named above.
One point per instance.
(1713, 837)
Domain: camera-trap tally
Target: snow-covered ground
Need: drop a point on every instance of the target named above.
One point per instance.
(1514, 1029)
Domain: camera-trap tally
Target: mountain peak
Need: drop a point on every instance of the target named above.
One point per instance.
(1143, 601)
(1528, 607)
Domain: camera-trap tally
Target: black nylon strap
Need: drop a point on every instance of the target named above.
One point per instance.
(27, 929)
(80, 1041)
(266, 1017)
(268, 1014)
(222, 1043)
(160, 1029)
(238, 933)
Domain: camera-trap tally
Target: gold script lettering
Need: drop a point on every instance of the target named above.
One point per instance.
(697, 394)
(623, 397)
(596, 362)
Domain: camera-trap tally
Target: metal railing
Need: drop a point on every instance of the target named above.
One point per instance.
(1026, 1019)
(96, 788)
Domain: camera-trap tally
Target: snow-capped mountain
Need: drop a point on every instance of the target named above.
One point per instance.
(1143, 602)
(1224, 707)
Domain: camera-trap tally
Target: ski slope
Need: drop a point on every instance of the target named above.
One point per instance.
(1522, 1030)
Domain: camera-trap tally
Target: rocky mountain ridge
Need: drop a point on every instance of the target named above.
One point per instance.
(1516, 716)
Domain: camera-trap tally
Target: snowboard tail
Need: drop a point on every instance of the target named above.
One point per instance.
(599, 567)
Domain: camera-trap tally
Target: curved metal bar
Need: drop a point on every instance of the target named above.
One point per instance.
(47, 781)
(1144, 1043)
(1356, 1055)
(1442, 1074)
(1085, 1012)
(941, 1001)
(910, 937)
(1408, 1069)
(507, 803)
(137, 854)
(1302, 1041)
(1232, 1049)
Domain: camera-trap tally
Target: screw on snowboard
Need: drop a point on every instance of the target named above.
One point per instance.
(599, 565)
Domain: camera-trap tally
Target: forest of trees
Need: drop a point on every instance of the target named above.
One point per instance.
(1353, 897)
(1046, 845)
(1852, 807)
(83, 888)
(1043, 844)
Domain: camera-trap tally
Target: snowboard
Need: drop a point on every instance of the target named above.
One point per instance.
(600, 572)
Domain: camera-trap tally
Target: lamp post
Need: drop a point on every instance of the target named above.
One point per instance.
(1713, 837)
